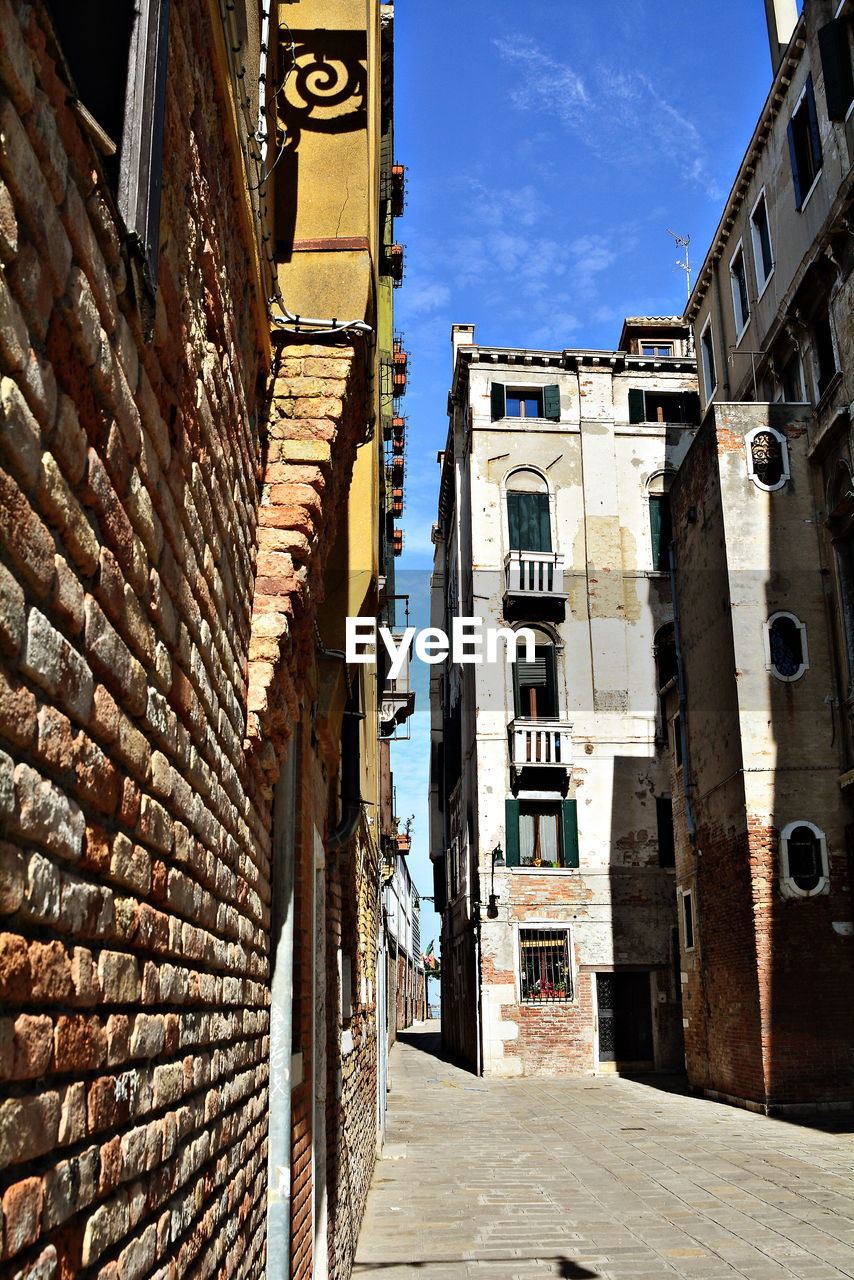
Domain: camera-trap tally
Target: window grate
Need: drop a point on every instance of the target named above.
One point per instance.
(546, 975)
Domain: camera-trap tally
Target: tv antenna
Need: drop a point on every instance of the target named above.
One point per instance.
(683, 242)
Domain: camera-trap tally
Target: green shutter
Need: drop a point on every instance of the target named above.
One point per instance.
(637, 405)
(551, 402)
(793, 156)
(815, 135)
(511, 832)
(498, 400)
(529, 522)
(570, 833)
(655, 518)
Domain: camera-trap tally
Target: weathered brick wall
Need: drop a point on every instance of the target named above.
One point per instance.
(147, 682)
(133, 948)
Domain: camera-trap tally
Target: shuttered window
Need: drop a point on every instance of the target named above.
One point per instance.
(664, 818)
(661, 531)
(663, 406)
(535, 684)
(524, 402)
(529, 522)
(545, 834)
(804, 145)
(834, 43)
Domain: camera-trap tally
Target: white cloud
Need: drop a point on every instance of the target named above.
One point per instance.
(619, 115)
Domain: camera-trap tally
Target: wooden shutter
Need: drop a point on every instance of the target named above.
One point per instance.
(529, 522)
(655, 513)
(793, 156)
(637, 405)
(498, 400)
(536, 672)
(141, 163)
(551, 402)
(511, 832)
(570, 832)
(815, 136)
(835, 49)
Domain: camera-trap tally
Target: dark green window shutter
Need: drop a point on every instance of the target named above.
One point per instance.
(528, 522)
(661, 530)
(570, 833)
(498, 400)
(511, 832)
(815, 136)
(551, 402)
(835, 49)
(793, 156)
(637, 405)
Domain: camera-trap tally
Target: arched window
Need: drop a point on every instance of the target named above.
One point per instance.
(786, 655)
(767, 458)
(803, 860)
(535, 683)
(529, 526)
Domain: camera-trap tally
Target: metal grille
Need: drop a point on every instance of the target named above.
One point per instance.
(544, 966)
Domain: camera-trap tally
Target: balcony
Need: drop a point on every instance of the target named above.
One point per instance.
(533, 584)
(540, 744)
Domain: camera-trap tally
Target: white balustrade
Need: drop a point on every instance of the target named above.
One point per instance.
(540, 742)
(536, 573)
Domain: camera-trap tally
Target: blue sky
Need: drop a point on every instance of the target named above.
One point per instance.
(549, 146)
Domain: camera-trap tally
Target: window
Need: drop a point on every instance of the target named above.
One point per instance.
(824, 351)
(541, 834)
(803, 860)
(656, 348)
(535, 683)
(763, 256)
(786, 646)
(688, 919)
(545, 972)
(676, 726)
(792, 381)
(664, 820)
(707, 355)
(767, 458)
(528, 516)
(738, 285)
(664, 651)
(661, 531)
(663, 406)
(525, 402)
(804, 145)
(834, 43)
(115, 56)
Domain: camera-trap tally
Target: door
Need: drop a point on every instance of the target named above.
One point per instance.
(625, 1020)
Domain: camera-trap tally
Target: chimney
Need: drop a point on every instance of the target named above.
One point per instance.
(462, 335)
(782, 18)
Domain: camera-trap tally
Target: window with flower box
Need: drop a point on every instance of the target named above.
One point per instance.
(545, 969)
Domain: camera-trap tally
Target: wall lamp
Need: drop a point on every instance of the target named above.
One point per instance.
(497, 857)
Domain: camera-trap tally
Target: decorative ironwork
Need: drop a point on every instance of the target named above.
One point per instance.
(544, 968)
(766, 451)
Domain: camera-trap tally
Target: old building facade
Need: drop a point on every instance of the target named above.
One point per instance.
(550, 777)
(761, 523)
(195, 495)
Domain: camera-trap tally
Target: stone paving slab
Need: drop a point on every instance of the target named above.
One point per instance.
(596, 1179)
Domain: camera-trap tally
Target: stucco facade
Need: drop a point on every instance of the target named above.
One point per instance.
(582, 762)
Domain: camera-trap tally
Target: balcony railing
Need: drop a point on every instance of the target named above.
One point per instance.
(534, 573)
(539, 743)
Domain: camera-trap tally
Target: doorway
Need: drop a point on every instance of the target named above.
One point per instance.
(625, 1022)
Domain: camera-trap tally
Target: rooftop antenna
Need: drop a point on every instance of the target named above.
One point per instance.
(683, 242)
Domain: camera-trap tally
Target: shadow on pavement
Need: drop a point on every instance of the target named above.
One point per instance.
(566, 1268)
(839, 1122)
(428, 1039)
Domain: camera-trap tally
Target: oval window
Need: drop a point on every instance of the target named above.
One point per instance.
(804, 858)
(787, 646)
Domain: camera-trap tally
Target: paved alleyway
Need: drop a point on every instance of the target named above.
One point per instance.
(599, 1178)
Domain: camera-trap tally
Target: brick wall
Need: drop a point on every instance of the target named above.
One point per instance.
(148, 681)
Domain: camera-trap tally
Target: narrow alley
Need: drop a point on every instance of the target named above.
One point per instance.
(596, 1177)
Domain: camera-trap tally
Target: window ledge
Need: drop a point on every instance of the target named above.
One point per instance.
(551, 871)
